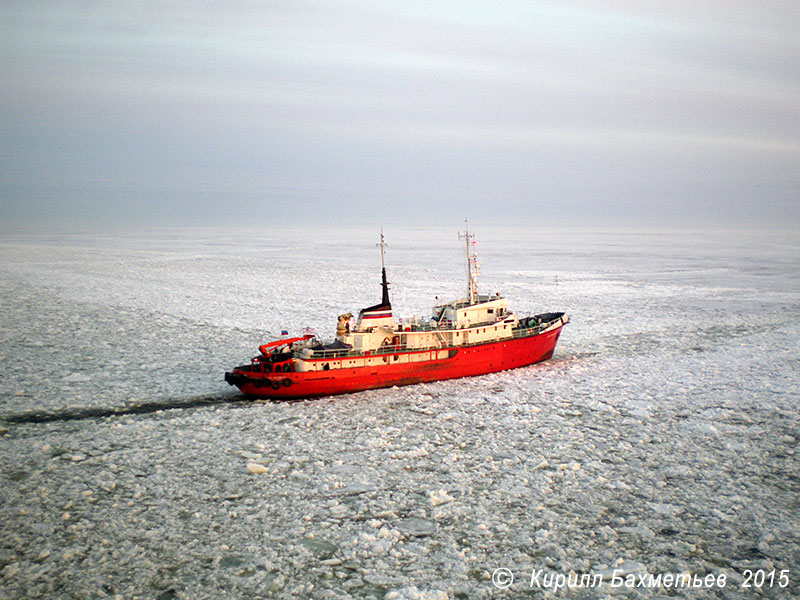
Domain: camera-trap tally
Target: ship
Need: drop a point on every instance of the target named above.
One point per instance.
(469, 336)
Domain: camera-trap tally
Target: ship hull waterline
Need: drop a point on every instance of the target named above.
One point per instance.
(460, 361)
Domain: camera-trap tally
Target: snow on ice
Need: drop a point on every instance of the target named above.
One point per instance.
(659, 439)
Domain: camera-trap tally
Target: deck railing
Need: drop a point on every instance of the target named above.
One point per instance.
(517, 332)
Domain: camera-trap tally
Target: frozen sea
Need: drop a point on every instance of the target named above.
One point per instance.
(660, 440)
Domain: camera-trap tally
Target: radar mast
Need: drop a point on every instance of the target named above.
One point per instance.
(473, 268)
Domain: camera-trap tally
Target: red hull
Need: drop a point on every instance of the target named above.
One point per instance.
(465, 361)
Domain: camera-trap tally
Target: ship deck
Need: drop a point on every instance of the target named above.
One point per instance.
(536, 327)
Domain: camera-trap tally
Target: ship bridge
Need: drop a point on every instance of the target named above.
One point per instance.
(463, 313)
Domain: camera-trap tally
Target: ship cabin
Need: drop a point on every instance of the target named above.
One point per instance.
(472, 320)
(454, 323)
(461, 313)
(484, 320)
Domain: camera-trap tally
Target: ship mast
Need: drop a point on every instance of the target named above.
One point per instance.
(473, 268)
(384, 283)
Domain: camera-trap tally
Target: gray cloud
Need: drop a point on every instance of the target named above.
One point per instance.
(616, 112)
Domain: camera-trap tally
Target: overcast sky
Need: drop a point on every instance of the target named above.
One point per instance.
(617, 112)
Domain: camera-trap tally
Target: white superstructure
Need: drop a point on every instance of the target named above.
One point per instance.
(469, 320)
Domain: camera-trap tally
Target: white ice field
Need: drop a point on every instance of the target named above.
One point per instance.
(660, 439)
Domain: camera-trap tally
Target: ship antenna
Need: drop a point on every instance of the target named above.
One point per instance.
(384, 283)
(473, 268)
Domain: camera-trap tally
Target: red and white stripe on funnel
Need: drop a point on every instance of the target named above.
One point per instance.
(378, 314)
